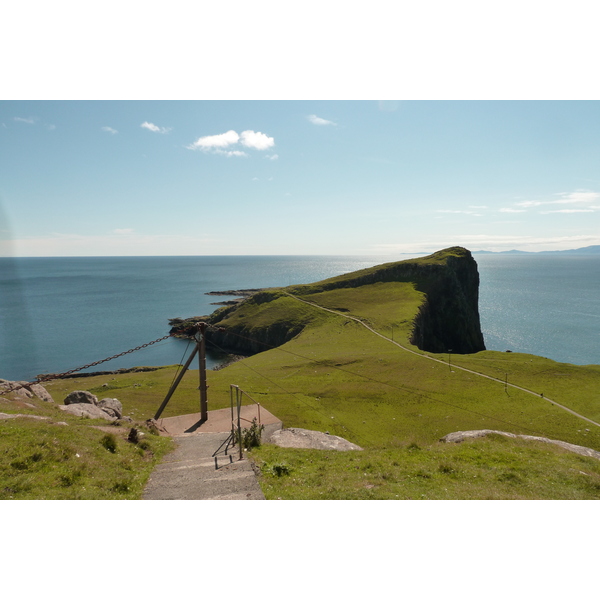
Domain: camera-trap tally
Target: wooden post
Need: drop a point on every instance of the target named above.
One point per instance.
(202, 368)
(176, 382)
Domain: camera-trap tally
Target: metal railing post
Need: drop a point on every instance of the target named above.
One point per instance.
(239, 414)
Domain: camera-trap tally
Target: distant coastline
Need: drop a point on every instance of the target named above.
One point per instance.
(594, 250)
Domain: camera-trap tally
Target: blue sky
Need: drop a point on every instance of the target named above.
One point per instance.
(297, 177)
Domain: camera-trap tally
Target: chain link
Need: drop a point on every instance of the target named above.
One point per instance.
(98, 362)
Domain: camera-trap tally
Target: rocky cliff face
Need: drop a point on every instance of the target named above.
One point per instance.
(447, 320)
(449, 317)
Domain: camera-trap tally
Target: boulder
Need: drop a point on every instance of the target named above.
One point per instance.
(111, 406)
(41, 392)
(460, 436)
(91, 411)
(135, 435)
(305, 438)
(16, 416)
(18, 389)
(81, 397)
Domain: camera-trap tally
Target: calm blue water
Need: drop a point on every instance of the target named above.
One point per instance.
(57, 314)
(60, 313)
(541, 304)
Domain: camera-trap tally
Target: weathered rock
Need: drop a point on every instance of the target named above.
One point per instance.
(460, 436)
(81, 397)
(156, 428)
(305, 438)
(15, 416)
(111, 406)
(91, 411)
(135, 435)
(17, 389)
(41, 392)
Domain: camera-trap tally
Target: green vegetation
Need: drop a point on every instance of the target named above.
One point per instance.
(484, 469)
(395, 401)
(251, 437)
(78, 460)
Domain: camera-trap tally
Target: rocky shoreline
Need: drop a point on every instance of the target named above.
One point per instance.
(80, 375)
(243, 294)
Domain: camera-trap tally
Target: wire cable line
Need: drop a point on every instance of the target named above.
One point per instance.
(292, 394)
(385, 383)
(503, 382)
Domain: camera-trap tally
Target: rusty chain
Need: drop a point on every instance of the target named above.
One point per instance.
(52, 376)
(99, 362)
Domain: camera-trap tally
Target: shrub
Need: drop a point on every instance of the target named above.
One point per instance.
(280, 469)
(109, 441)
(251, 438)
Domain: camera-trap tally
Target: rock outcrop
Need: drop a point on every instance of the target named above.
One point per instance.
(447, 320)
(84, 404)
(90, 411)
(460, 436)
(23, 390)
(81, 397)
(295, 437)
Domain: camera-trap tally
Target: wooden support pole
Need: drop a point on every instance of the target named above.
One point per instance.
(176, 382)
(202, 369)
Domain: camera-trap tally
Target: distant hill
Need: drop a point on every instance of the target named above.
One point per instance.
(586, 250)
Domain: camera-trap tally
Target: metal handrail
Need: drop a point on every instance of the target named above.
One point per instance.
(255, 402)
(238, 401)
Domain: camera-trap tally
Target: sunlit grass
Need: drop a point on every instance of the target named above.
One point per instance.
(76, 461)
(395, 402)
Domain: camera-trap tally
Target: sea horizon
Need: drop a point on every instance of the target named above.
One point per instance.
(60, 313)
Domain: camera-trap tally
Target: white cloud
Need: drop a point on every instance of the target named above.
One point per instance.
(29, 120)
(460, 212)
(128, 243)
(256, 140)
(221, 140)
(110, 130)
(230, 152)
(571, 210)
(512, 210)
(318, 121)
(495, 243)
(155, 128)
(272, 156)
(218, 143)
(578, 197)
(529, 203)
(581, 197)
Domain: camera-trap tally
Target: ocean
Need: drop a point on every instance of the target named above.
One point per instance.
(57, 314)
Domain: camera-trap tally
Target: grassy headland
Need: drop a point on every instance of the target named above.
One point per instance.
(325, 371)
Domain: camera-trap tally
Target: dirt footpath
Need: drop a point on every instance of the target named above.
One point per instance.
(204, 466)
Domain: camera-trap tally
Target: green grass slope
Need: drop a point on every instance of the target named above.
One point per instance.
(68, 458)
(394, 400)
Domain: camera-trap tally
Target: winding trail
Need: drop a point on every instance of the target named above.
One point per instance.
(504, 383)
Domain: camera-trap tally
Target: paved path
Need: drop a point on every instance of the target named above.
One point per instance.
(203, 466)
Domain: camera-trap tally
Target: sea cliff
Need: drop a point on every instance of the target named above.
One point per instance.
(447, 319)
